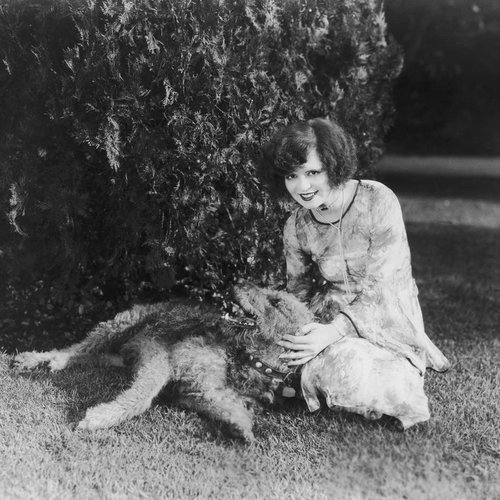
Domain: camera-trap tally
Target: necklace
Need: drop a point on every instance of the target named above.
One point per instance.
(327, 207)
(345, 276)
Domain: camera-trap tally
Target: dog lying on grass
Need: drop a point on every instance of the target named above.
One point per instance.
(218, 366)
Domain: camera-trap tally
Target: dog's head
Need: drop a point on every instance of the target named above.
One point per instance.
(264, 316)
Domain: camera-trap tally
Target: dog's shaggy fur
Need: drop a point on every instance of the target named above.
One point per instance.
(203, 359)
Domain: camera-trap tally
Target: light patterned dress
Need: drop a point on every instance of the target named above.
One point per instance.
(383, 307)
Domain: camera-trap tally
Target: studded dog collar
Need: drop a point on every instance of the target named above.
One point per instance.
(289, 381)
(241, 322)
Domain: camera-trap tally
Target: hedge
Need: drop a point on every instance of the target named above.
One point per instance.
(131, 129)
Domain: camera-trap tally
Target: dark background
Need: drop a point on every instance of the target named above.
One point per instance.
(448, 95)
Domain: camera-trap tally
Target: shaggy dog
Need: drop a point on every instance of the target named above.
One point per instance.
(217, 366)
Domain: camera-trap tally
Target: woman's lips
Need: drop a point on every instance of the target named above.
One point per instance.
(308, 196)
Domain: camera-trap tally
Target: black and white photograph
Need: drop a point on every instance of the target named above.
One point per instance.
(250, 249)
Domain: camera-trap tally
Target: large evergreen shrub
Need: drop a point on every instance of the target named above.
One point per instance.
(131, 129)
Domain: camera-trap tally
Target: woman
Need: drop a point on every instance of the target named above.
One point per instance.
(345, 246)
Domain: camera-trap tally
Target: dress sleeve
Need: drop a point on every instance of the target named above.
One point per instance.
(386, 310)
(298, 261)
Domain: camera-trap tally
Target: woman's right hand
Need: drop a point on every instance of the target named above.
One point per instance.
(315, 338)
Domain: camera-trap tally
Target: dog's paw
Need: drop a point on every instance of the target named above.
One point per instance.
(94, 419)
(248, 436)
(103, 416)
(237, 431)
(240, 425)
(28, 360)
(56, 360)
(89, 424)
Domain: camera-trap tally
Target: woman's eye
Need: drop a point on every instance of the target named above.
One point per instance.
(314, 172)
(290, 177)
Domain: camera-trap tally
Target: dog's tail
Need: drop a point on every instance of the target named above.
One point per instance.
(108, 334)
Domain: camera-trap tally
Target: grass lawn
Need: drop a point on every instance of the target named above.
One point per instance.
(170, 453)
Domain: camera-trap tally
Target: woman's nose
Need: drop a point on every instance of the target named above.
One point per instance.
(304, 182)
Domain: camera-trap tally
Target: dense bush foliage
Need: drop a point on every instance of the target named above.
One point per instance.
(447, 96)
(131, 128)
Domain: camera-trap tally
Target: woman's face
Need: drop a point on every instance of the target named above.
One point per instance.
(309, 184)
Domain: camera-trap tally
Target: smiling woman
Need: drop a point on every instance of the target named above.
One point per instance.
(310, 186)
(319, 144)
(346, 251)
(309, 182)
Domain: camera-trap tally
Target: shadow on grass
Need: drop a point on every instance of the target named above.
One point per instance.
(458, 276)
(85, 385)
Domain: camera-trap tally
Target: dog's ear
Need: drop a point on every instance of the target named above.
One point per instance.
(247, 296)
(289, 306)
(276, 312)
(255, 300)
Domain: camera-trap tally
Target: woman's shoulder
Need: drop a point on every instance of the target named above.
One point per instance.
(375, 186)
(381, 203)
(377, 191)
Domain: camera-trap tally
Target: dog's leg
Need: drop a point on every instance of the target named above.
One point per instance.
(153, 373)
(59, 359)
(202, 371)
(97, 340)
(56, 359)
(223, 405)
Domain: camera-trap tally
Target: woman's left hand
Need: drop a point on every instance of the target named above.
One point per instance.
(315, 337)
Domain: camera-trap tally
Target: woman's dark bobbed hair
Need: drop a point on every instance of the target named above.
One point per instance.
(289, 148)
